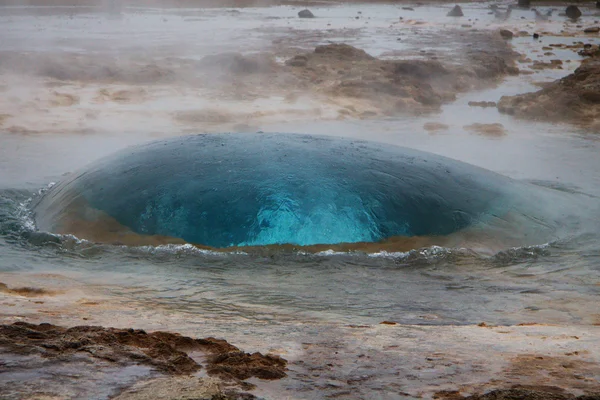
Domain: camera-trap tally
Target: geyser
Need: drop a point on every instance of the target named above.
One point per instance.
(227, 190)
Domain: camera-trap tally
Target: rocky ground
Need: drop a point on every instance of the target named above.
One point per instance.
(574, 98)
(300, 359)
(335, 80)
(165, 353)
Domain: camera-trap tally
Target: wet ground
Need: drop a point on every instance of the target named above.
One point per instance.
(321, 312)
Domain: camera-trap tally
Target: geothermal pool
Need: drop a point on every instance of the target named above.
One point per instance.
(96, 202)
(237, 190)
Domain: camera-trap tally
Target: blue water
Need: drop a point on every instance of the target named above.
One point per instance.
(260, 189)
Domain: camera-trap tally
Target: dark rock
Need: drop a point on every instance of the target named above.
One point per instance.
(524, 3)
(589, 51)
(573, 12)
(242, 365)
(529, 393)
(408, 8)
(456, 12)
(165, 351)
(297, 61)
(420, 68)
(536, 36)
(574, 98)
(343, 51)
(593, 29)
(483, 104)
(306, 14)
(591, 96)
(506, 34)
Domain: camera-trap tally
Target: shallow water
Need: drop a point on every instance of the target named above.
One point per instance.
(278, 299)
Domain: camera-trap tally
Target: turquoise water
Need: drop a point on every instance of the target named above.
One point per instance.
(262, 189)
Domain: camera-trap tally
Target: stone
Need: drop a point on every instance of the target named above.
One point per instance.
(592, 29)
(573, 12)
(506, 34)
(306, 14)
(483, 104)
(572, 99)
(435, 126)
(297, 61)
(164, 351)
(456, 12)
(490, 130)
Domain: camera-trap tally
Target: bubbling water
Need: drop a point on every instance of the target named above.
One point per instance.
(230, 190)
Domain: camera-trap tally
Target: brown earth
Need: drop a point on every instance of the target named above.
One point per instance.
(358, 84)
(517, 393)
(492, 130)
(435, 127)
(164, 351)
(574, 98)
(483, 104)
(182, 388)
(393, 86)
(26, 291)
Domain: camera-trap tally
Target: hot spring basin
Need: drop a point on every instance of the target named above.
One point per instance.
(230, 190)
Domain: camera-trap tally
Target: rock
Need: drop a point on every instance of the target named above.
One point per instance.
(166, 352)
(435, 126)
(593, 29)
(306, 14)
(297, 61)
(408, 8)
(524, 3)
(536, 36)
(573, 12)
(177, 387)
(573, 98)
(506, 34)
(343, 51)
(491, 130)
(529, 393)
(553, 64)
(455, 12)
(482, 104)
(590, 51)
(420, 69)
